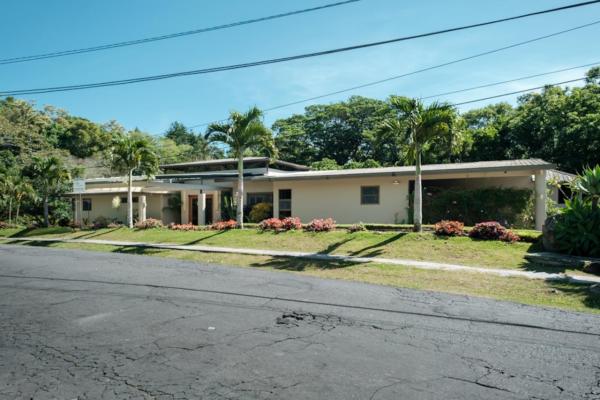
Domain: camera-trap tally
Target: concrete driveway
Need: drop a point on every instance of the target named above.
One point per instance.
(84, 325)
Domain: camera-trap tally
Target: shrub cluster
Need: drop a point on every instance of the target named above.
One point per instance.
(114, 225)
(577, 228)
(6, 225)
(470, 206)
(492, 230)
(279, 225)
(449, 228)
(224, 225)
(103, 222)
(360, 227)
(320, 225)
(183, 227)
(149, 223)
(260, 212)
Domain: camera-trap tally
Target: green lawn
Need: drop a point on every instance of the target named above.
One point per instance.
(534, 292)
(425, 246)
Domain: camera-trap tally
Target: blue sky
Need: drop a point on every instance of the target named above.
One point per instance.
(31, 27)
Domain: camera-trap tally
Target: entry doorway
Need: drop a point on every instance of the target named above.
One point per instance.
(193, 209)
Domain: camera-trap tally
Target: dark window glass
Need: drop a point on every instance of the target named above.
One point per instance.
(285, 203)
(124, 199)
(369, 195)
(255, 198)
(87, 204)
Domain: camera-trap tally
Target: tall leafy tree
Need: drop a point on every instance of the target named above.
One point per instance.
(418, 125)
(132, 153)
(242, 133)
(50, 174)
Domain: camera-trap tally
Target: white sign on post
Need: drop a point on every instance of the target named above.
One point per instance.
(78, 185)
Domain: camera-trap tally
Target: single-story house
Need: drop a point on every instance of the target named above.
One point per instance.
(197, 192)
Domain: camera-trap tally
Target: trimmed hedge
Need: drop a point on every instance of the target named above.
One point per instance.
(475, 205)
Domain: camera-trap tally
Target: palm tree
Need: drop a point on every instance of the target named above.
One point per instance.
(241, 133)
(22, 189)
(8, 182)
(49, 174)
(588, 184)
(129, 153)
(417, 125)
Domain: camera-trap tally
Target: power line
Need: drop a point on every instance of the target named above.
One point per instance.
(517, 92)
(63, 53)
(418, 71)
(509, 80)
(282, 59)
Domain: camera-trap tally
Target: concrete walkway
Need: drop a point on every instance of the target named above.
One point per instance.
(330, 257)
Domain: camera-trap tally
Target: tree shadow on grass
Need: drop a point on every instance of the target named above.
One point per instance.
(333, 246)
(217, 233)
(591, 300)
(302, 264)
(364, 252)
(147, 251)
(94, 233)
(46, 231)
(36, 243)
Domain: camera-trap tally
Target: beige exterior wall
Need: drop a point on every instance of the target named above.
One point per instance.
(102, 207)
(340, 199)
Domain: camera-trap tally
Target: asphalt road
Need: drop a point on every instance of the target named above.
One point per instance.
(84, 325)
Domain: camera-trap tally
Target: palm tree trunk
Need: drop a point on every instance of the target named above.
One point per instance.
(46, 218)
(17, 211)
(240, 199)
(418, 195)
(129, 200)
(10, 210)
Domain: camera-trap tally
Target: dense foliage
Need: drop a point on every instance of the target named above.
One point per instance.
(475, 205)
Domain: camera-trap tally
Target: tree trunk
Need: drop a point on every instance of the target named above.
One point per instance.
(46, 218)
(17, 211)
(10, 210)
(129, 200)
(418, 194)
(240, 197)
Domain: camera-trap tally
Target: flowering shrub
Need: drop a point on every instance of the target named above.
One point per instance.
(279, 225)
(224, 225)
(291, 223)
(149, 223)
(449, 228)
(492, 230)
(270, 224)
(183, 227)
(510, 237)
(360, 227)
(320, 225)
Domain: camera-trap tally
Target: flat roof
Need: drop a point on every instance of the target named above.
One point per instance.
(229, 161)
(427, 169)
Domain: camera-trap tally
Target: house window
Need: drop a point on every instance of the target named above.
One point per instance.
(255, 198)
(285, 203)
(124, 200)
(369, 195)
(86, 204)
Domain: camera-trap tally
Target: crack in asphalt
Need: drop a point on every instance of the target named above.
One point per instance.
(303, 301)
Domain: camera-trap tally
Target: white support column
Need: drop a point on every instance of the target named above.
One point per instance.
(275, 202)
(142, 208)
(540, 199)
(202, 208)
(184, 207)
